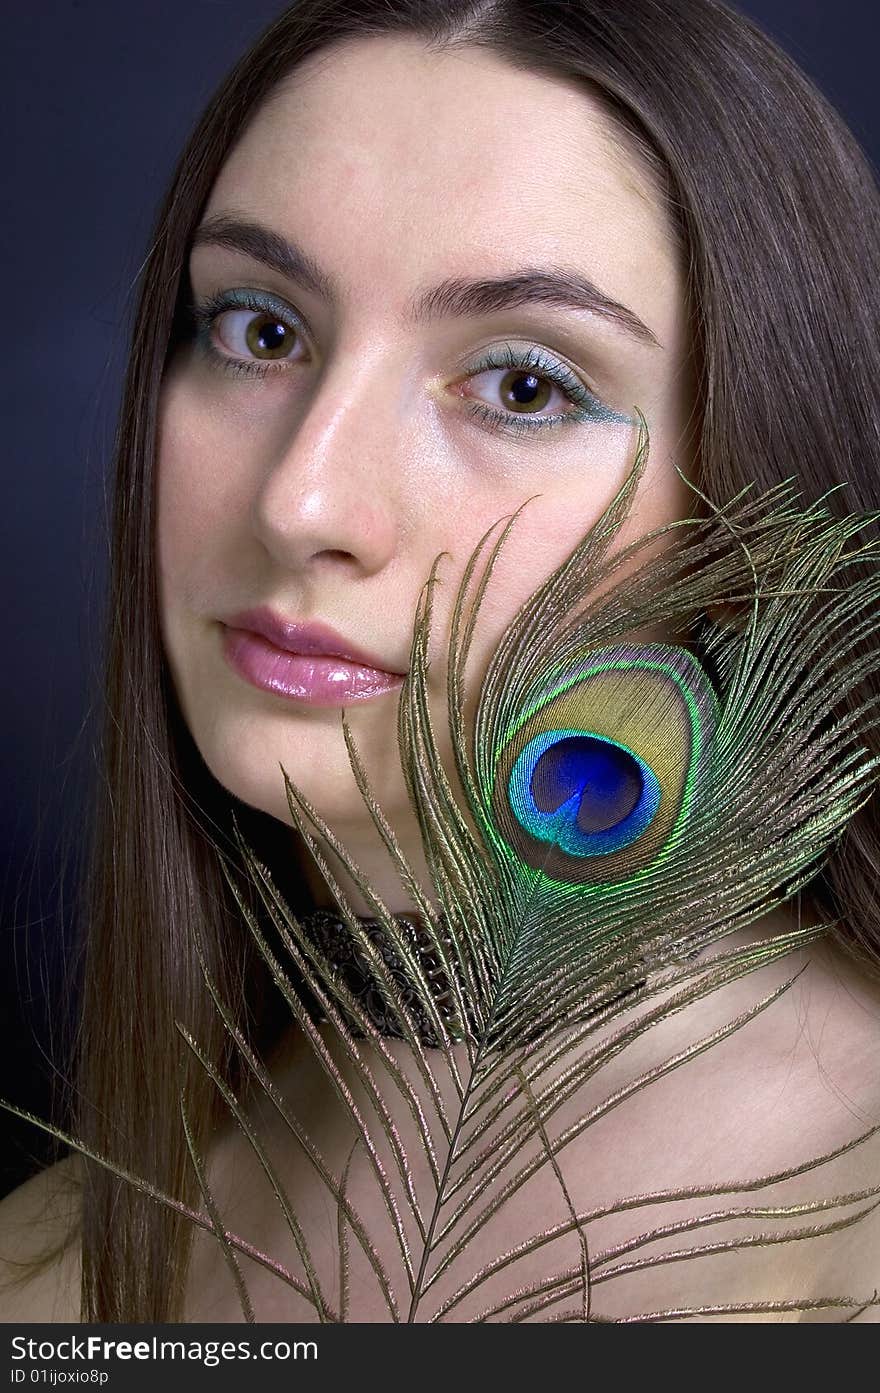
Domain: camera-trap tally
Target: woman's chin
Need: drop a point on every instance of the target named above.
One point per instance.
(326, 781)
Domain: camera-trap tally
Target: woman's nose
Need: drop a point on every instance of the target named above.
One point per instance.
(332, 491)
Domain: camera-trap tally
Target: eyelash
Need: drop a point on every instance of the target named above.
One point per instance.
(586, 406)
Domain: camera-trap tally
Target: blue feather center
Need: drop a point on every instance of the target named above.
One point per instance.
(583, 792)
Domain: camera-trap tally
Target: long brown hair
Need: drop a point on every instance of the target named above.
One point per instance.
(778, 213)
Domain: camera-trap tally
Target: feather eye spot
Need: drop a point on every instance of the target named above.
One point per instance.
(607, 779)
(582, 792)
(596, 780)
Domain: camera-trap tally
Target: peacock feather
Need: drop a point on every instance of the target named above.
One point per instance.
(640, 782)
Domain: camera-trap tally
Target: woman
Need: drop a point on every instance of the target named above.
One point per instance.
(528, 224)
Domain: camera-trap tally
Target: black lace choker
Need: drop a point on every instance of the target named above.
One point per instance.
(330, 933)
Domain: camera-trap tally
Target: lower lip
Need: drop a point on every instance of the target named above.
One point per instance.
(319, 680)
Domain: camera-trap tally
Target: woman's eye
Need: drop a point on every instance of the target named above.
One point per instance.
(243, 332)
(529, 390)
(521, 391)
(262, 335)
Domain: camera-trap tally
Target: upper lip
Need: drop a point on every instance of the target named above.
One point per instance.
(305, 637)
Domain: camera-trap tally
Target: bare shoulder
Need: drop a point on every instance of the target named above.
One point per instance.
(842, 1031)
(37, 1281)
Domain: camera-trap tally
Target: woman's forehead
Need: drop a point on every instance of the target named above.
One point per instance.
(393, 165)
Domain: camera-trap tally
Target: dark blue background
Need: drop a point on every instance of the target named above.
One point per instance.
(101, 97)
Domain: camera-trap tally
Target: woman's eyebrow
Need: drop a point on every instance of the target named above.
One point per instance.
(556, 287)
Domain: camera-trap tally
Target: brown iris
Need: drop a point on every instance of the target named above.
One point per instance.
(266, 334)
(524, 391)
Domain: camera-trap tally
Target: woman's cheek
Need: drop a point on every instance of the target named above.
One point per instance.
(201, 486)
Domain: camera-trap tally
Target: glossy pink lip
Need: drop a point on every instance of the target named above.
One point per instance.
(313, 671)
(305, 639)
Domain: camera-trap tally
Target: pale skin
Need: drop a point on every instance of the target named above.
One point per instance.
(327, 489)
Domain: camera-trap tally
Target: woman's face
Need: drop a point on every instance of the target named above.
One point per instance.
(431, 356)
